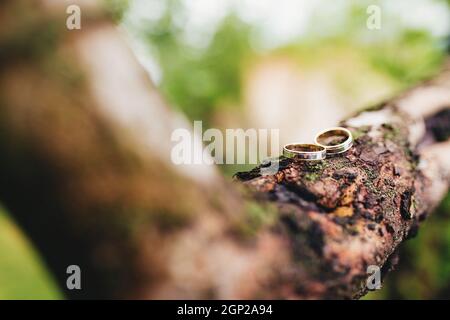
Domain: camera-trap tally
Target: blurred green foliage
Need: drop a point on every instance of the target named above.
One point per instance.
(201, 80)
(22, 274)
(411, 57)
(116, 8)
(197, 80)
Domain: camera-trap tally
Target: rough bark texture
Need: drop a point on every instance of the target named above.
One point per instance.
(85, 169)
(350, 211)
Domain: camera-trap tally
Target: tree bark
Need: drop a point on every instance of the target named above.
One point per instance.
(351, 211)
(85, 170)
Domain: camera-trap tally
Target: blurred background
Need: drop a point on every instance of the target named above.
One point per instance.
(293, 65)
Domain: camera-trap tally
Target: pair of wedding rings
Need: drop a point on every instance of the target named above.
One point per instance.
(331, 141)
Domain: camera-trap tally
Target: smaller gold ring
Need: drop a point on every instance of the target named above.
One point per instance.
(335, 140)
(304, 151)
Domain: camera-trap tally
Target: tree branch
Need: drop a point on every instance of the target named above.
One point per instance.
(348, 212)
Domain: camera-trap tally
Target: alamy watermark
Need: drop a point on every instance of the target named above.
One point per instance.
(235, 146)
(373, 281)
(373, 21)
(73, 21)
(73, 281)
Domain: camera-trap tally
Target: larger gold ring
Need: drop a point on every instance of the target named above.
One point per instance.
(335, 140)
(304, 151)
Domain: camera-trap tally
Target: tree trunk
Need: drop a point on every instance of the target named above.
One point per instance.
(85, 169)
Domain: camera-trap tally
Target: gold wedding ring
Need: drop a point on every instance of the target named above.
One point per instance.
(331, 141)
(335, 140)
(304, 151)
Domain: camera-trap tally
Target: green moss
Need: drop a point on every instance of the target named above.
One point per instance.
(313, 170)
(391, 132)
(336, 163)
(315, 166)
(312, 176)
(390, 192)
(257, 215)
(359, 132)
(371, 174)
